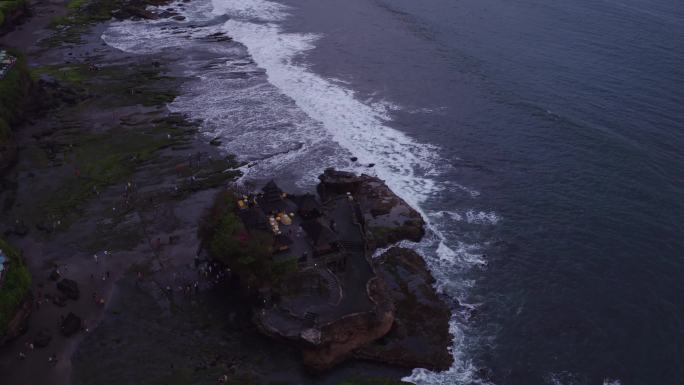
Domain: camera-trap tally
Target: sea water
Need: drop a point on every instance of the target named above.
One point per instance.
(540, 140)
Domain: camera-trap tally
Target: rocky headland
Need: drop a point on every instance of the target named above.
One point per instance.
(132, 258)
(332, 300)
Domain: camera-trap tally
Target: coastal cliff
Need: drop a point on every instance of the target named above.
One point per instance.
(334, 302)
(420, 334)
(387, 218)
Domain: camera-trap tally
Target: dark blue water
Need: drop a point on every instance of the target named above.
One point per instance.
(541, 137)
(568, 118)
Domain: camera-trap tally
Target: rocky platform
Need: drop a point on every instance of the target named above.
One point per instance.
(387, 218)
(420, 334)
(406, 323)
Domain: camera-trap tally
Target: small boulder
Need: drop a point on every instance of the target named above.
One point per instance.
(215, 142)
(71, 325)
(69, 288)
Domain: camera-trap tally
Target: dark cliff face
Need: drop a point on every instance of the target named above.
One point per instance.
(420, 335)
(387, 218)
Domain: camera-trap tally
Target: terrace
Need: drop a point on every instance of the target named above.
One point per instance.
(327, 242)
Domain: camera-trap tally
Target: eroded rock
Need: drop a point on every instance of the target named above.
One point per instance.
(420, 335)
(387, 218)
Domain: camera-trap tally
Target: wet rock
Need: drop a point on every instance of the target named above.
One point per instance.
(69, 288)
(215, 142)
(353, 159)
(178, 18)
(385, 217)
(43, 338)
(420, 336)
(134, 12)
(71, 325)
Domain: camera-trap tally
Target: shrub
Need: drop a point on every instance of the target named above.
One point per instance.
(14, 286)
(14, 88)
(9, 6)
(248, 253)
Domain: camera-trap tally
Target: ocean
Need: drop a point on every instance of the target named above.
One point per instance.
(541, 140)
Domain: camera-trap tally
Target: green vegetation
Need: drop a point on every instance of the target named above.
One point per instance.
(14, 89)
(71, 74)
(85, 13)
(101, 160)
(246, 252)
(9, 6)
(14, 286)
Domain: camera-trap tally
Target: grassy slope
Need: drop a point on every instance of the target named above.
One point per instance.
(13, 92)
(15, 285)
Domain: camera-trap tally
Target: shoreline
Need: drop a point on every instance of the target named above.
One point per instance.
(170, 177)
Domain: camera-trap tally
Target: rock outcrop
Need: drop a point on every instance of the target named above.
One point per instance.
(420, 335)
(387, 310)
(386, 217)
(338, 339)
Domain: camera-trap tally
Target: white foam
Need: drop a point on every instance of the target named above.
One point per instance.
(251, 9)
(482, 218)
(358, 127)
